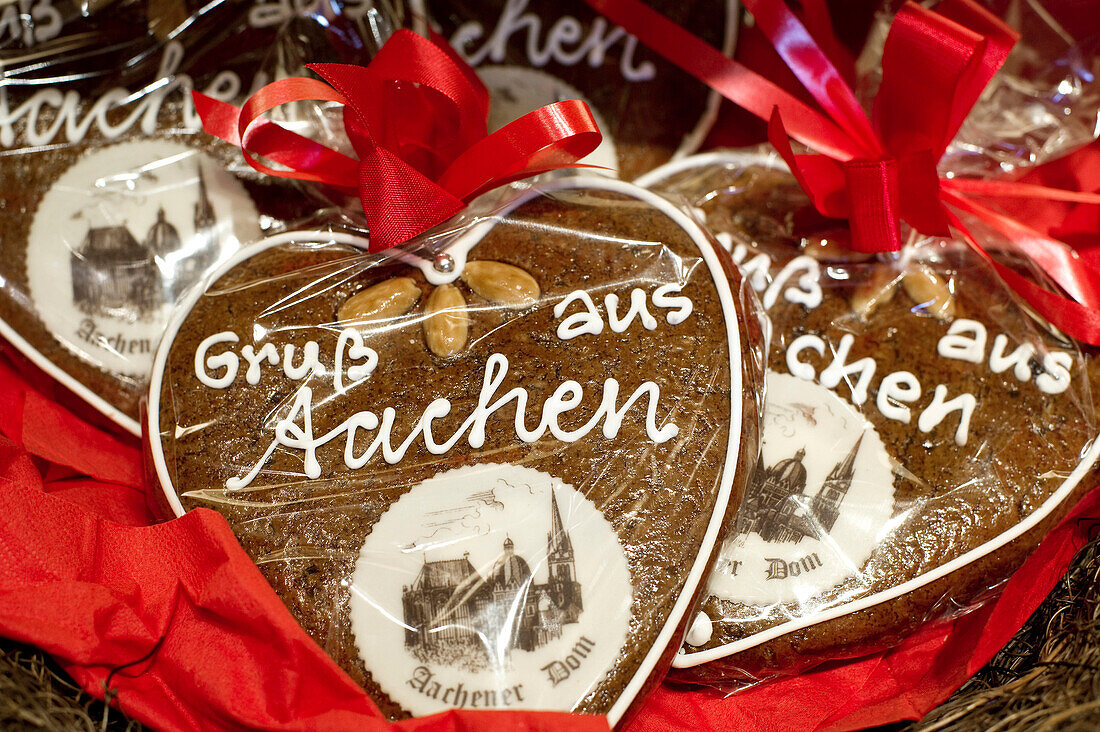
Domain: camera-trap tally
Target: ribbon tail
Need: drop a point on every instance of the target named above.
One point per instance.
(815, 71)
(815, 15)
(1064, 266)
(1012, 189)
(732, 80)
(218, 118)
(1079, 320)
(551, 137)
(1072, 318)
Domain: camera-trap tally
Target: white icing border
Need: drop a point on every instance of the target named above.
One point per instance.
(684, 603)
(1089, 455)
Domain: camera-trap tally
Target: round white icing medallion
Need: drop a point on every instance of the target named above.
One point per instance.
(120, 236)
(818, 503)
(491, 586)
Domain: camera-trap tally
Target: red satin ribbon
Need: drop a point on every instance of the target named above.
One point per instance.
(416, 116)
(877, 173)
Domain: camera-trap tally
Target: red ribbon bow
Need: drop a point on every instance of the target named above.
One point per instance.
(878, 173)
(934, 67)
(416, 116)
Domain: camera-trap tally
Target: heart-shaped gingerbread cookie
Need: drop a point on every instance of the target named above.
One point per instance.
(921, 431)
(489, 478)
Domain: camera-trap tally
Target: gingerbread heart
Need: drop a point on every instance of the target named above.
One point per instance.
(114, 200)
(921, 431)
(492, 477)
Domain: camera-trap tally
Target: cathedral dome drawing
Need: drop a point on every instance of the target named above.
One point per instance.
(511, 570)
(791, 472)
(778, 507)
(163, 238)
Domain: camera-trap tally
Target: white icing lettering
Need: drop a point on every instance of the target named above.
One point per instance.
(29, 22)
(940, 407)
(565, 32)
(565, 397)
(663, 299)
(357, 351)
(268, 353)
(227, 360)
(1019, 359)
(965, 341)
(637, 309)
(895, 389)
(757, 271)
(798, 368)
(311, 361)
(1057, 377)
(577, 324)
(838, 370)
(64, 109)
(268, 13)
(289, 434)
(807, 293)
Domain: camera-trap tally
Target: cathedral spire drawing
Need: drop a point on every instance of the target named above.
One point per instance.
(563, 585)
(204, 210)
(451, 611)
(826, 504)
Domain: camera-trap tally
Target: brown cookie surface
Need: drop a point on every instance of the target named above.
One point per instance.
(538, 543)
(921, 431)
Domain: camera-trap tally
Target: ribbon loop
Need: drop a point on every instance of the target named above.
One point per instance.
(416, 117)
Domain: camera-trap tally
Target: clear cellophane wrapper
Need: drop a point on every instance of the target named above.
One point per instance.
(114, 201)
(1041, 105)
(487, 469)
(920, 433)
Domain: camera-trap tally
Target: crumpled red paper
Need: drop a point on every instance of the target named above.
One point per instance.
(177, 621)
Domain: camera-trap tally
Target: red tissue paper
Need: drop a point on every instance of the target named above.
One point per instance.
(179, 624)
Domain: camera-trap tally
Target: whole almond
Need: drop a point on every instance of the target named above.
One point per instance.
(930, 290)
(830, 249)
(878, 290)
(501, 283)
(388, 299)
(447, 325)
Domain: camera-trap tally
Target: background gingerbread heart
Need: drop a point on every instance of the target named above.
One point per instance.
(534, 52)
(921, 431)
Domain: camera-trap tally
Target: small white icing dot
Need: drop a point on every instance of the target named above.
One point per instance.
(701, 630)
